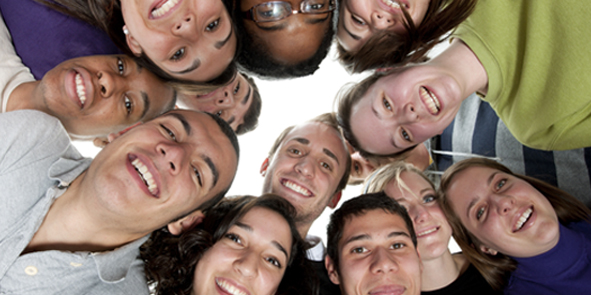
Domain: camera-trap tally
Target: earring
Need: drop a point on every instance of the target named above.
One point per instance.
(125, 30)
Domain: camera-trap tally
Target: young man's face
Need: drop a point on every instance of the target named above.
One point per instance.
(162, 170)
(97, 95)
(307, 168)
(377, 256)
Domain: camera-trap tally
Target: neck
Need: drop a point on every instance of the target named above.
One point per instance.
(25, 97)
(440, 272)
(465, 66)
(71, 224)
(303, 229)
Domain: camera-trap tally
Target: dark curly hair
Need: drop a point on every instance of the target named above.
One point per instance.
(170, 261)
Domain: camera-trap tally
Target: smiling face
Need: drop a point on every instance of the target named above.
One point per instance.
(161, 170)
(97, 95)
(189, 39)
(250, 259)
(293, 39)
(377, 256)
(361, 19)
(405, 108)
(504, 212)
(420, 200)
(229, 102)
(307, 168)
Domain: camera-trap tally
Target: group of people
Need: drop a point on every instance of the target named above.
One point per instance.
(165, 86)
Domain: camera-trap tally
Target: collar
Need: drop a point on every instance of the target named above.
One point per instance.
(113, 265)
(317, 252)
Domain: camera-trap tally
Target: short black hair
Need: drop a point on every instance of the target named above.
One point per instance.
(357, 207)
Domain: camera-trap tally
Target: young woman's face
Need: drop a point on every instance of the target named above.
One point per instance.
(250, 259)
(189, 39)
(433, 230)
(504, 212)
(361, 19)
(405, 108)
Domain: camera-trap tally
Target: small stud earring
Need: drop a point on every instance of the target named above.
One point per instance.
(125, 30)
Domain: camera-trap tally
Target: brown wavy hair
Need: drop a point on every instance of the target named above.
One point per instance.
(170, 261)
(386, 48)
(496, 269)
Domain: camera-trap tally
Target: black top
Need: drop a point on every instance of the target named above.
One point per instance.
(470, 282)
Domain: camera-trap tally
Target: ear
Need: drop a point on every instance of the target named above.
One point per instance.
(100, 142)
(134, 46)
(334, 201)
(332, 272)
(264, 167)
(488, 250)
(178, 227)
(113, 136)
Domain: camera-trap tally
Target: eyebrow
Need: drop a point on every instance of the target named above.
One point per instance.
(330, 154)
(214, 170)
(355, 37)
(283, 25)
(275, 243)
(194, 66)
(368, 237)
(183, 120)
(247, 96)
(220, 44)
(146, 100)
(302, 140)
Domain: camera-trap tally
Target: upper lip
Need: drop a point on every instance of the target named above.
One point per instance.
(515, 224)
(230, 286)
(287, 181)
(390, 289)
(391, 10)
(158, 2)
(426, 230)
(88, 85)
(152, 171)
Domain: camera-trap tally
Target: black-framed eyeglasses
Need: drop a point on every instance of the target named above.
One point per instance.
(278, 10)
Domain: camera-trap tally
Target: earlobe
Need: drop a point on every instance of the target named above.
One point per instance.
(333, 275)
(134, 46)
(488, 250)
(188, 222)
(264, 167)
(334, 201)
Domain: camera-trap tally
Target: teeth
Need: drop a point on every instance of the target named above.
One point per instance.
(229, 288)
(80, 89)
(296, 188)
(426, 232)
(430, 100)
(524, 217)
(393, 4)
(164, 8)
(145, 175)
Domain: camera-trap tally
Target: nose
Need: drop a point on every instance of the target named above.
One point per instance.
(172, 155)
(504, 204)
(410, 113)
(227, 100)
(383, 262)
(381, 20)
(247, 265)
(106, 83)
(418, 213)
(305, 167)
(186, 27)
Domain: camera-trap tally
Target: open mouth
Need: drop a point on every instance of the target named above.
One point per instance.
(80, 89)
(430, 100)
(229, 288)
(424, 233)
(394, 4)
(296, 188)
(523, 219)
(146, 176)
(163, 7)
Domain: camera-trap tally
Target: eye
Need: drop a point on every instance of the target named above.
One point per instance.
(480, 212)
(273, 261)
(357, 20)
(356, 167)
(128, 105)
(358, 250)
(325, 166)
(386, 104)
(429, 198)
(120, 66)
(178, 55)
(219, 113)
(198, 175)
(237, 88)
(405, 134)
(316, 6)
(398, 245)
(500, 184)
(213, 25)
(234, 237)
(170, 133)
(294, 151)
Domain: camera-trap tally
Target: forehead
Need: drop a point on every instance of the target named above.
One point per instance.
(319, 136)
(413, 181)
(375, 224)
(268, 226)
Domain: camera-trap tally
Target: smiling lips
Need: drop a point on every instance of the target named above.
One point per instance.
(163, 8)
(80, 89)
(296, 188)
(430, 100)
(146, 176)
(388, 290)
(426, 232)
(522, 219)
(393, 4)
(229, 288)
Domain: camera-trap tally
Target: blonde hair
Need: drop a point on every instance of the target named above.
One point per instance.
(378, 180)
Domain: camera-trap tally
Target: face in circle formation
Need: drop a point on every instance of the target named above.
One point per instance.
(361, 19)
(188, 39)
(230, 102)
(504, 212)
(97, 95)
(405, 108)
(162, 170)
(377, 256)
(290, 40)
(251, 258)
(420, 200)
(307, 168)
